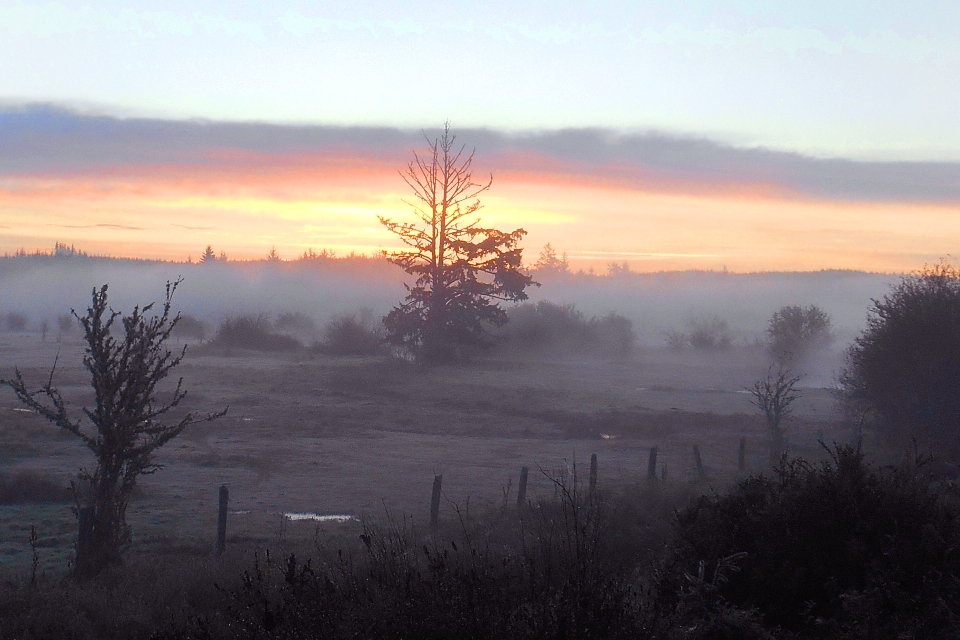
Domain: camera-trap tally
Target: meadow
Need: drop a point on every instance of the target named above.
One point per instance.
(310, 433)
(330, 462)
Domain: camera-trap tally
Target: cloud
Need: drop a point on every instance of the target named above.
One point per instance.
(98, 226)
(186, 226)
(48, 140)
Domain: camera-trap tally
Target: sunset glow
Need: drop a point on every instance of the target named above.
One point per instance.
(244, 203)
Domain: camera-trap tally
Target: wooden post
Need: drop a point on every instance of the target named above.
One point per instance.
(435, 501)
(522, 487)
(652, 464)
(593, 475)
(222, 519)
(742, 456)
(698, 460)
(85, 534)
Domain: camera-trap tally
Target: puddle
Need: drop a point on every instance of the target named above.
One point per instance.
(241, 512)
(316, 517)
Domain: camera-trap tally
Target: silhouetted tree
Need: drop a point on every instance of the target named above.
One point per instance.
(794, 333)
(617, 270)
(903, 371)
(208, 256)
(773, 396)
(127, 419)
(462, 269)
(550, 263)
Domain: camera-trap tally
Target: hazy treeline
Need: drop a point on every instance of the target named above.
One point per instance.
(42, 287)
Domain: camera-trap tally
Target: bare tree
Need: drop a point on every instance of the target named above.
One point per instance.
(461, 268)
(126, 425)
(773, 396)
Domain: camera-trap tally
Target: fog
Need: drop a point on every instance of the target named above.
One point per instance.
(43, 287)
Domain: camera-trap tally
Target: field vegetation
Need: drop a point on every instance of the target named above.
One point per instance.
(843, 537)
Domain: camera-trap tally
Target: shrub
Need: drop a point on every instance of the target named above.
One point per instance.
(709, 334)
(252, 332)
(676, 340)
(612, 335)
(296, 324)
(351, 336)
(16, 322)
(28, 487)
(65, 322)
(795, 333)
(546, 326)
(190, 327)
(820, 547)
(903, 371)
(553, 572)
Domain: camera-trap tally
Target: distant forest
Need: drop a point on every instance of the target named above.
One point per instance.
(548, 264)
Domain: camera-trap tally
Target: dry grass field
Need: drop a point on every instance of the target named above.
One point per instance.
(329, 435)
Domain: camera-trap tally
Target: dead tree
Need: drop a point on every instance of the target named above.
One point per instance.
(773, 396)
(125, 427)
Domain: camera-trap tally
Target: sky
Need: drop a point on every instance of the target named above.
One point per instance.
(740, 135)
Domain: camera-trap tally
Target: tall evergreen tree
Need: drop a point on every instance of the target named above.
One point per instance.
(463, 270)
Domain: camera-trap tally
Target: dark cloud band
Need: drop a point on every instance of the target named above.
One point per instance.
(47, 139)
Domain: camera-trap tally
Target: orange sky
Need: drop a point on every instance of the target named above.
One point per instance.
(173, 212)
(167, 189)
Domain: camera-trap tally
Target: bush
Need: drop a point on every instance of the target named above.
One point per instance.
(298, 325)
(709, 334)
(16, 322)
(676, 340)
(556, 571)
(823, 547)
(903, 371)
(612, 335)
(30, 487)
(190, 327)
(546, 326)
(249, 332)
(350, 336)
(795, 333)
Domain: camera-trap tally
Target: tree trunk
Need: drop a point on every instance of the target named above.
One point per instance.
(103, 529)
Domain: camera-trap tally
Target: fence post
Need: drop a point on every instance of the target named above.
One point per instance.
(698, 460)
(522, 487)
(435, 501)
(593, 475)
(222, 519)
(85, 535)
(652, 464)
(742, 456)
